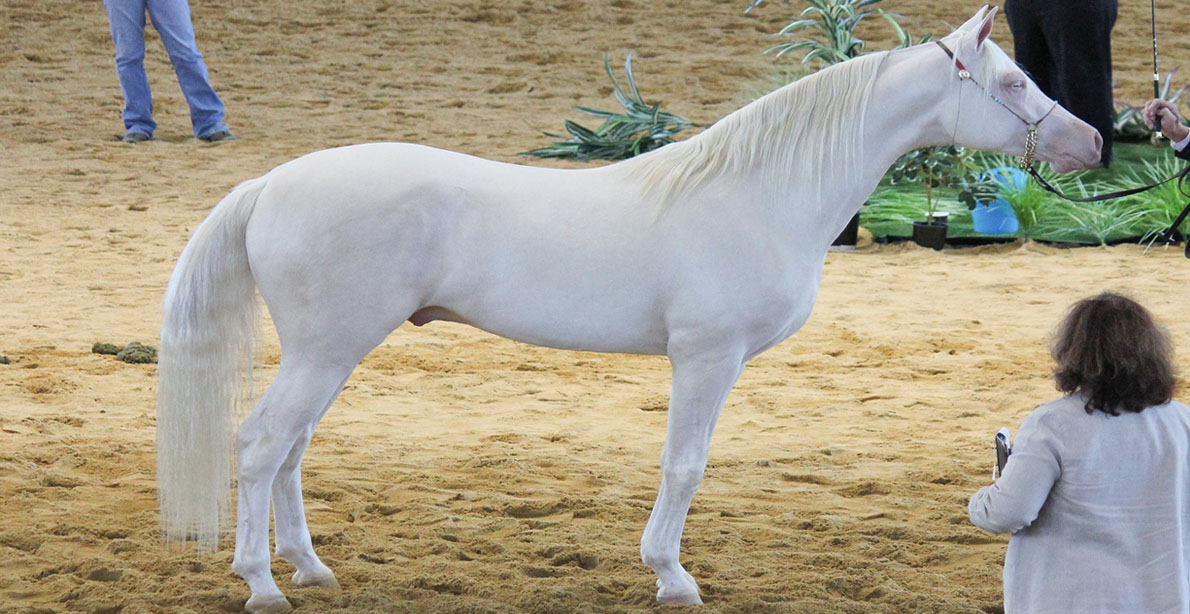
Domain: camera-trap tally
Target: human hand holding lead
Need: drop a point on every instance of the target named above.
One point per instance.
(1163, 115)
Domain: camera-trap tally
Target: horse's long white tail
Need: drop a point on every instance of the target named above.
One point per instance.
(205, 361)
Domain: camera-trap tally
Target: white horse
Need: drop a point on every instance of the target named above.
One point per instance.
(709, 251)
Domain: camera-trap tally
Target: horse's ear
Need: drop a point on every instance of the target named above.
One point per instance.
(976, 19)
(985, 27)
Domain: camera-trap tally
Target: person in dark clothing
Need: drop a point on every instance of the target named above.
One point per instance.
(1065, 46)
(1163, 115)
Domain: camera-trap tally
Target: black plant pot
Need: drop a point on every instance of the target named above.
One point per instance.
(850, 235)
(932, 235)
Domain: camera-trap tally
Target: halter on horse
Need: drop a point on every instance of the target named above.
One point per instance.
(1031, 127)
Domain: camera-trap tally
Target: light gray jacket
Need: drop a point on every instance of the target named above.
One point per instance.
(1099, 511)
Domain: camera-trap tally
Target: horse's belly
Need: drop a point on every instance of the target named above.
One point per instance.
(564, 321)
(570, 335)
(610, 341)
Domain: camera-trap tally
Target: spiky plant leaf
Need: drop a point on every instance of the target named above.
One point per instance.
(640, 128)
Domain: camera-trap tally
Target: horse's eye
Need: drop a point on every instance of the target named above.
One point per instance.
(1017, 86)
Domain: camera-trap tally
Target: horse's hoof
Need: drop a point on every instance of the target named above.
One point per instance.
(678, 598)
(684, 593)
(324, 580)
(271, 604)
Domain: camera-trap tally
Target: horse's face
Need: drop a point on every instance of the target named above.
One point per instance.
(998, 101)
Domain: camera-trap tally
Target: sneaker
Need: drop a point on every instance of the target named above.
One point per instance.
(136, 137)
(218, 137)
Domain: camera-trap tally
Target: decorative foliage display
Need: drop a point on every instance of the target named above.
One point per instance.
(1043, 216)
(1160, 206)
(640, 128)
(1088, 222)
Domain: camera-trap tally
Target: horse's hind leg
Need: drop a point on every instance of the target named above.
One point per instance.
(289, 517)
(271, 440)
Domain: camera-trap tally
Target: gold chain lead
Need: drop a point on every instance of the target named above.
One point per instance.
(1030, 148)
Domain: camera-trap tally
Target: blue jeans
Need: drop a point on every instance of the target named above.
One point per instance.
(171, 18)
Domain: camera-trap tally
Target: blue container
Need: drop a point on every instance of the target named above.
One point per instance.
(995, 218)
(1013, 179)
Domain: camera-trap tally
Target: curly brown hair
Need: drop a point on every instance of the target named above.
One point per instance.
(1110, 348)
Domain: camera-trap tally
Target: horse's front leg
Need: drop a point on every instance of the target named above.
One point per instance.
(701, 383)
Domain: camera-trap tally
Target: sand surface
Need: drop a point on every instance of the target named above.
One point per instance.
(460, 472)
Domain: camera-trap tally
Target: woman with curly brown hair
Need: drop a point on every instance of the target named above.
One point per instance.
(1096, 493)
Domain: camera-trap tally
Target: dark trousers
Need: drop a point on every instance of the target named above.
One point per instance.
(1065, 45)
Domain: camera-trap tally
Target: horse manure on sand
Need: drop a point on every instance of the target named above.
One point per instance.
(135, 352)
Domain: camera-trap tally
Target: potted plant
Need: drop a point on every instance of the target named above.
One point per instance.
(936, 168)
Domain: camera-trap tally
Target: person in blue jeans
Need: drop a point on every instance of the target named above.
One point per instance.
(171, 19)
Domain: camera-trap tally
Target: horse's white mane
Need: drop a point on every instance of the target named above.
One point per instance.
(802, 139)
(798, 138)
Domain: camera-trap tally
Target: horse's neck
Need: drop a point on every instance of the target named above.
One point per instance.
(899, 112)
(908, 108)
(913, 104)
